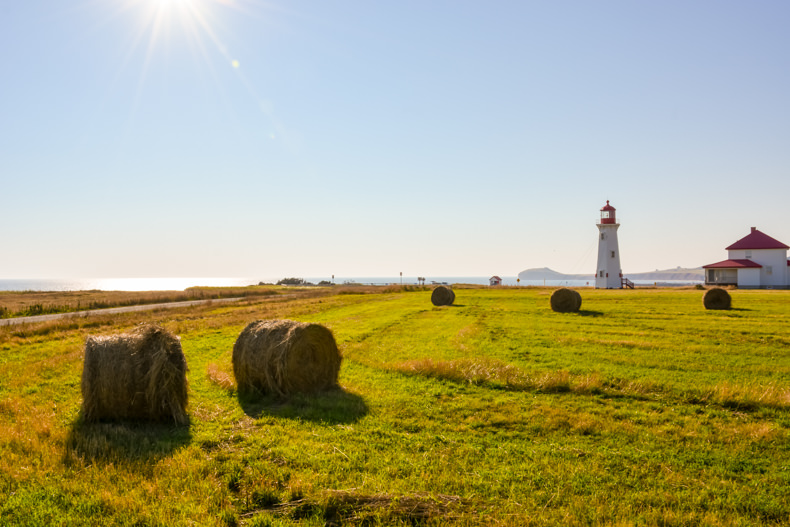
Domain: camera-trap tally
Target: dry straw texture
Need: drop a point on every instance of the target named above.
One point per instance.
(443, 296)
(136, 375)
(566, 300)
(351, 508)
(717, 298)
(281, 357)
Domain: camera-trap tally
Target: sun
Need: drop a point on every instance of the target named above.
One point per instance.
(163, 25)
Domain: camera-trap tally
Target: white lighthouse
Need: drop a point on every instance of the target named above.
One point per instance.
(608, 274)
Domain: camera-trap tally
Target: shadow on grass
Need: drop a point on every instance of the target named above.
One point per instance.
(589, 313)
(113, 441)
(335, 406)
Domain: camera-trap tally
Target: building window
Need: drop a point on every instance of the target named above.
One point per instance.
(603, 236)
(748, 254)
(600, 273)
(769, 270)
(612, 254)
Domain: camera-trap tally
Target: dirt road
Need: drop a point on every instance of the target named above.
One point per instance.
(112, 310)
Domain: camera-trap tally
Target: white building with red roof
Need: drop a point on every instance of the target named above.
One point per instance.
(754, 261)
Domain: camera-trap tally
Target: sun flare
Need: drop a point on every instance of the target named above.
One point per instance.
(168, 3)
(178, 8)
(192, 31)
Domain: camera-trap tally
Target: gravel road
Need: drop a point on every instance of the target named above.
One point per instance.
(112, 310)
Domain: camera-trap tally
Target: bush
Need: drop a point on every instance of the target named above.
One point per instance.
(293, 281)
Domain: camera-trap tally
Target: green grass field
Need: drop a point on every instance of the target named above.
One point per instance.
(642, 409)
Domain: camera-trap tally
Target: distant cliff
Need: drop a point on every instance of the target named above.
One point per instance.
(679, 273)
(544, 273)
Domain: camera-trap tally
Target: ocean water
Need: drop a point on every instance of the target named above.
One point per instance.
(119, 284)
(181, 283)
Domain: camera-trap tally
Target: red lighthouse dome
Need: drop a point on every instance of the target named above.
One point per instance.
(607, 214)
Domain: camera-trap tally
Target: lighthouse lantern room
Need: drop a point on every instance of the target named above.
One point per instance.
(608, 275)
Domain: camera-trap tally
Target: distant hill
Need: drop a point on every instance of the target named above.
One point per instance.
(544, 273)
(679, 273)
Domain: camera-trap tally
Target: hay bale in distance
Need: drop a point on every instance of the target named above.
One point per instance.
(716, 298)
(564, 300)
(136, 375)
(282, 357)
(442, 296)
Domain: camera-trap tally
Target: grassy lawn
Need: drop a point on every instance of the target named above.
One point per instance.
(644, 408)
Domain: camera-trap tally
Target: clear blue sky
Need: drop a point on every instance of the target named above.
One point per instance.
(437, 138)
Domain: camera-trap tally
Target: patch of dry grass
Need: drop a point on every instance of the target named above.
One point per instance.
(338, 507)
(486, 371)
(745, 397)
(220, 377)
(481, 371)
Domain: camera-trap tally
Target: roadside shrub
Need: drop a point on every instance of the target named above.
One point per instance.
(293, 281)
(443, 296)
(136, 375)
(564, 300)
(717, 298)
(281, 357)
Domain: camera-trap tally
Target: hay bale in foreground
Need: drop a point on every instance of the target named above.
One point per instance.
(578, 299)
(136, 375)
(716, 298)
(564, 300)
(281, 357)
(443, 296)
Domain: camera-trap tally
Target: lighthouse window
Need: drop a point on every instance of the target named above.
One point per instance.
(612, 254)
(603, 235)
(600, 273)
(768, 269)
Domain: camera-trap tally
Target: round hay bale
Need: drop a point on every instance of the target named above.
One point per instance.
(716, 298)
(564, 300)
(443, 296)
(578, 299)
(136, 375)
(281, 357)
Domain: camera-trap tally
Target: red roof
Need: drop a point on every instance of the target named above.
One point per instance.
(757, 240)
(607, 206)
(733, 264)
